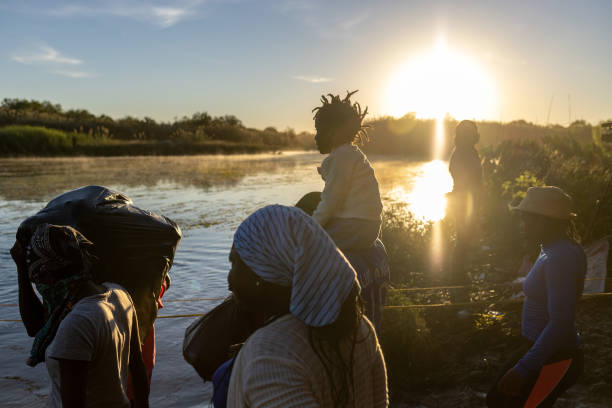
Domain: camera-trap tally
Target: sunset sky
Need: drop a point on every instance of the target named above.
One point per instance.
(267, 62)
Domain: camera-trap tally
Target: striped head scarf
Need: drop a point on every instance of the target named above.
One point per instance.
(58, 261)
(283, 245)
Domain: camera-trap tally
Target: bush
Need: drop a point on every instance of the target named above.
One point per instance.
(38, 140)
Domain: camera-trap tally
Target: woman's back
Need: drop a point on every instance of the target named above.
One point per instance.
(277, 367)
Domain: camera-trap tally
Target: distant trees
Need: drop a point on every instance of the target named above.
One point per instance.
(197, 128)
(409, 136)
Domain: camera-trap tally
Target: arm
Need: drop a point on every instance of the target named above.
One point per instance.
(73, 382)
(337, 185)
(30, 307)
(138, 371)
(381, 394)
(561, 273)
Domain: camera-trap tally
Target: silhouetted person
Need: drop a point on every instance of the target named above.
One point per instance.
(466, 170)
(549, 360)
(317, 349)
(87, 333)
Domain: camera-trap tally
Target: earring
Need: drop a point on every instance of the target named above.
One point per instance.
(257, 283)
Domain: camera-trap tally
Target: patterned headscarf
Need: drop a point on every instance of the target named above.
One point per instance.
(58, 261)
(283, 245)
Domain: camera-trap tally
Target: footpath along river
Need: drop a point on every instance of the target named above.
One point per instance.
(208, 196)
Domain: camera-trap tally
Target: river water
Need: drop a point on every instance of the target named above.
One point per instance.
(208, 196)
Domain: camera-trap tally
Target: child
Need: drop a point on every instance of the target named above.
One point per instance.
(350, 208)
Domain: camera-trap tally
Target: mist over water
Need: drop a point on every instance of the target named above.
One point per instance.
(208, 196)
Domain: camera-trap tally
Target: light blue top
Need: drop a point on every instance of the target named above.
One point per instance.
(552, 290)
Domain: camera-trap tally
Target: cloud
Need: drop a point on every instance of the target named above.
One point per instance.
(168, 16)
(45, 55)
(327, 19)
(161, 15)
(312, 79)
(75, 74)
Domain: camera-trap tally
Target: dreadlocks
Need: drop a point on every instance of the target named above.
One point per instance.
(343, 117)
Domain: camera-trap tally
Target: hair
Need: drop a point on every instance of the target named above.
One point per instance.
(466, 133)
(342, 116)
(326, 342)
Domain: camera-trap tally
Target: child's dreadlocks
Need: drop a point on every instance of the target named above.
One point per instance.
(343, 117)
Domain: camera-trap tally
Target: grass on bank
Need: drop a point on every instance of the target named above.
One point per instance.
(23, 140)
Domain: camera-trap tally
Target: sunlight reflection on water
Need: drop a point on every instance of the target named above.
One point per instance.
(426, 199)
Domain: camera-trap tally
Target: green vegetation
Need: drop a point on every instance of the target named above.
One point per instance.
(412, 137)
(42, 128)
(448, 355)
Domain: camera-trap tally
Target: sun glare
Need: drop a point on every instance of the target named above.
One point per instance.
(427, 198)
(440, 82)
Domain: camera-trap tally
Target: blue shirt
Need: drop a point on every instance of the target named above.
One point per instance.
(552, 290)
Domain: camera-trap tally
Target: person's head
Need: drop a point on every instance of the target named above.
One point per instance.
(283, 261)
(280, 247)
(546, 215)
(254, 293)
(58, 258)
(338, 121)
(466, 134)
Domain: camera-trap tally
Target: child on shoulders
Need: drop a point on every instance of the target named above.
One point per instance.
(350, 209)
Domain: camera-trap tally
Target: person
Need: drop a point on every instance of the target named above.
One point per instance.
(371, 265)
(148, 349)
(350, 209)
(316, 349)
(86, 333)
(550, 359)
(466, 170)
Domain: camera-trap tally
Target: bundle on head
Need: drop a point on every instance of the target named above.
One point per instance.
(342, 117)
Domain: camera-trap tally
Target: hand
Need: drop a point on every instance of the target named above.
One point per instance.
(511, 383)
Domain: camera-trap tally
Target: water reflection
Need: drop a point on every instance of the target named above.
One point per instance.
(427, 196)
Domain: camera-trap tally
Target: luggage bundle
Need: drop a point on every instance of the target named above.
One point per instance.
(135, 247)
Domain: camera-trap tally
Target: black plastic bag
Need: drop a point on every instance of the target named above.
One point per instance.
(135, 247)
(208, 340)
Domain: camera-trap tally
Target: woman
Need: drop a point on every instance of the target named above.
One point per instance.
(317, 348)
(85, 332)
(466, 170)
(550, 360)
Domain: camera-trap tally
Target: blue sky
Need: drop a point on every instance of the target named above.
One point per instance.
(268, 62)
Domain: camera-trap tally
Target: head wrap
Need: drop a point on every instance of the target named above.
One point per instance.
(58, 261)
(283, 245)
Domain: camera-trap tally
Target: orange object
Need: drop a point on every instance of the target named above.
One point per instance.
(549, 378)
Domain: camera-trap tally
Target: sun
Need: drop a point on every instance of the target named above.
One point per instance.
(441, 82)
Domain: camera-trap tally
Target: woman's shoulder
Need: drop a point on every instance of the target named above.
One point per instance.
(565, 255)
(285, 338)
(283, 329)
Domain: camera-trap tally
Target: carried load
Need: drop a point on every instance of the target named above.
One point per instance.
(135, 247)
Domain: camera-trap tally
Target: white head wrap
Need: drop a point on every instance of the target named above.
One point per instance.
(283, 245)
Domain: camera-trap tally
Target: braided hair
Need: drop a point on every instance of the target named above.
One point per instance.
(342, 117)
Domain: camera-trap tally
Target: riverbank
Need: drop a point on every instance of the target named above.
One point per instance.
(35, 141)
(448, 356)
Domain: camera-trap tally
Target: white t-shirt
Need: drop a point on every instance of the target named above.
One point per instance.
(98, 330)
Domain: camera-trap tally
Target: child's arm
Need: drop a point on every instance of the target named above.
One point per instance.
(337, 186)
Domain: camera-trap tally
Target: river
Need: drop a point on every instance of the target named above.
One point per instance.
(208, 196)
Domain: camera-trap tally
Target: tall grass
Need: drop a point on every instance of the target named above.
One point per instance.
(39, 140)
(19, 140)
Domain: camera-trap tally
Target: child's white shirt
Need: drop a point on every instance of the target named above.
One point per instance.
(351, 189)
